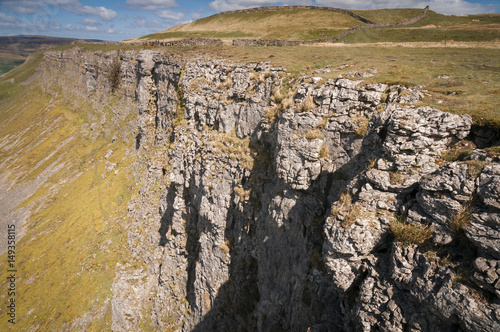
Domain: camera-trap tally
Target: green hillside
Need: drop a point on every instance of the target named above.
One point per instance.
(311, 24)
(74, 236)
(287, 25)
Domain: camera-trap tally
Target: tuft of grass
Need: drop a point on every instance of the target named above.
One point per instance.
(459, 151)
(396, 178)
(324, 153)
(459, 221)
(242, 193)
(314, 134)
(475, 167)
(493, 151)
(354, 213)
(410, 234)
(372, 164)
(224, 247)
(344, 201)
(307, 105)
(361, 123)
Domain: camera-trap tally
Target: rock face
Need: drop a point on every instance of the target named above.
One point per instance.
(269, 209)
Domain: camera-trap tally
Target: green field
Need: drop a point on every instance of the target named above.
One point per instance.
(9, 61)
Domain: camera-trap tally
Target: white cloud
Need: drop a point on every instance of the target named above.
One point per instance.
(224, 5)
(32, 7)
(168, 14)
(449, 7)
(440, 6)
(102, 12)
(151, 4)
(6, 19)
(148, 24)
(90, 22)
(87, 28)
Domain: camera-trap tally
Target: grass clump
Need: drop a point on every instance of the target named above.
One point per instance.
(459, 151)
(242, 193)
(396, 178)
(313, 134)
(459, 221)
(344, 201)
(493, 151)
(307, 105)
(354, 212)
(324, 153)
(475, 167)
(361, 123)
(372, 164)
(409, 234)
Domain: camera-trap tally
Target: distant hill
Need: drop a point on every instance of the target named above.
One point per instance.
(309, 24)
(15, 49)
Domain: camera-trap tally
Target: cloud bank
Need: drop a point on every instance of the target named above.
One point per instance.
(450, 7)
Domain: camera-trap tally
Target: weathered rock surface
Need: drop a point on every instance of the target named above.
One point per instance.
(250, 219)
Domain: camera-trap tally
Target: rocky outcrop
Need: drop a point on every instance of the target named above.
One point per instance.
(270, 209)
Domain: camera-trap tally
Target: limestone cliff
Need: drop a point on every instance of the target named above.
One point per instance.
(272, 203)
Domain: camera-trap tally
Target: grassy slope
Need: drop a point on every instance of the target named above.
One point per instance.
(433, 28)
(287, 25)
(75, 236)
(317, 24)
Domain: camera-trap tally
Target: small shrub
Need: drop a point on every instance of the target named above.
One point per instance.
(410, 234)
(314, 134)
(114, 75)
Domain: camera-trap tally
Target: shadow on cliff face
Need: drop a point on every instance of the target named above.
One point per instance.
(277, 276)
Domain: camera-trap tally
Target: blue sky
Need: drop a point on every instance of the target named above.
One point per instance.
(122, 19)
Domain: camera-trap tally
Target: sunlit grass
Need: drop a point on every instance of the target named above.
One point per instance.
(77, 232)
